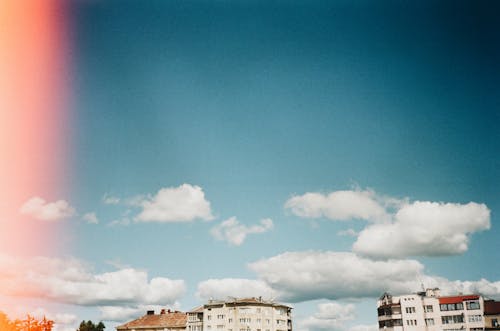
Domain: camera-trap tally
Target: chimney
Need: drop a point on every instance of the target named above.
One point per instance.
(162, 312)
(150, 312)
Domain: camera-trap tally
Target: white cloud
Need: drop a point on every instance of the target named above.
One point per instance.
(232, 231)
(90, 218)
(424, 228)
(118, 313)
(401, 228)
(330, 316)
(300, 276)
(175, 204)
(348, 232)
(71, 281)
(38, 208)
(338, 205)
(122, 221)
(309, 275)
(123, 314)
(233, 287)
(110, 200)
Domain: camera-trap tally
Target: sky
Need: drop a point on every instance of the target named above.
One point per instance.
(317, 153)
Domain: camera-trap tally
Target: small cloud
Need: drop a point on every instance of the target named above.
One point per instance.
(338, 205)
(90, 218)
(330, 316)
(125, 221)
(235, 233)
(39, 209)
(234, 287)
(110, 200)
(175, 204)
(348, 232)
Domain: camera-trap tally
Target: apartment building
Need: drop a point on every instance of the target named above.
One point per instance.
(430, 311)
(249, 314)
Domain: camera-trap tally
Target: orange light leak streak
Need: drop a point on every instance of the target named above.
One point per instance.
(32, 114)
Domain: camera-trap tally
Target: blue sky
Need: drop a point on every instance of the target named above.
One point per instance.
(254, 103)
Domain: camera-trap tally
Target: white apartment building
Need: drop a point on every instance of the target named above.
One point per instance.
(250, 314)
(430, 311)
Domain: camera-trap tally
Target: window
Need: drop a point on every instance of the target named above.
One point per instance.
(220, 317)
(475, 318)
(451, 306)
(452, 319)
(428, 309)
(471, 305)
(268, 321)
(494, 322)
(410, 310)
(245, 320)
(429, 321)
(230, 320)
(411, 322)
(259, 321)
(220, 327)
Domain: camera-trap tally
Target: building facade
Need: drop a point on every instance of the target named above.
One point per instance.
(491, 315)
(251, 314)
(430, 311)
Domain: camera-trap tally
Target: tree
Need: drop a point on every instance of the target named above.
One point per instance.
(90, 326)
(28, 324)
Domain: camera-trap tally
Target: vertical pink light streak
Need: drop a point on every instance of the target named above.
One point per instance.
(33, 100)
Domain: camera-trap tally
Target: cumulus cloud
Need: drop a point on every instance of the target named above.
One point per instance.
(309, 275)
(424, 228)
(301, 276)
(338, 205)
(399, 228)
(232, 231)
(330, 316)
(72, 281)
(122, 314)
(90, 218)
(348, 232)
(110, 200)
(40, 209)
(233, 287)
(175, 204)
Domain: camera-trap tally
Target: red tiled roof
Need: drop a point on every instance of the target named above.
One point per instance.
(253, 300)
(457, 298)
(491, 307)
(167, 320)
(196, 310)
